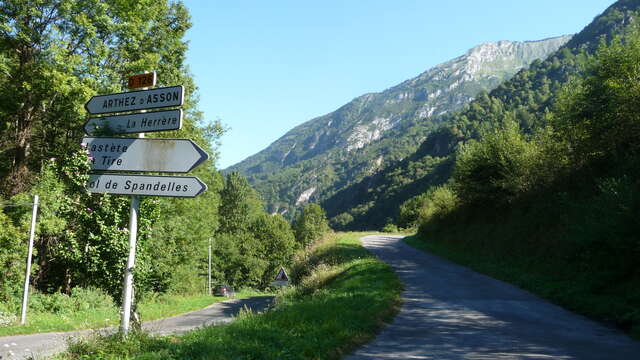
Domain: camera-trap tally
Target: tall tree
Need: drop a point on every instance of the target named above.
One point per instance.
(55, 54)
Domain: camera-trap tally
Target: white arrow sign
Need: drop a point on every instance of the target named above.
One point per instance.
(172, 186)
(135, 123)
(136, 100)
(142, 154)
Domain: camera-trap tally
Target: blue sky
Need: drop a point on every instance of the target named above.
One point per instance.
(264, 67)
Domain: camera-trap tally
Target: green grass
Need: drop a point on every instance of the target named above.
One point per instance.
(81, 315)
(339, 305)
(573, 253)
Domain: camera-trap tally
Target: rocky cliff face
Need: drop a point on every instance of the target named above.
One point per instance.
(317, 158)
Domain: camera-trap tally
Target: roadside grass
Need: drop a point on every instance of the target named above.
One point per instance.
(548, 249)
(94, 310)
(340, 304)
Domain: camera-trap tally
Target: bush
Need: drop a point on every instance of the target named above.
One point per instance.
(599, 115)
(498, 168)
(412, 210)
(311, 224)
(390, 228)
(56, 303)
(13, 252)
(91, 298)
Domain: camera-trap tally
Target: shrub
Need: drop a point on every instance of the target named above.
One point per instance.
(496, 169)
(311, 224)
(390, 228)
(412, 210)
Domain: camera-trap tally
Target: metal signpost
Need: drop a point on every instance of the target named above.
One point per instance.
(209, 268)
(140, 155)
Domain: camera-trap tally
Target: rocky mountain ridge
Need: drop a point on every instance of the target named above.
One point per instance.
(321, 156)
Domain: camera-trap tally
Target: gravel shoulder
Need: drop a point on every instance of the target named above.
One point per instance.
(41, 346)
(451, 312)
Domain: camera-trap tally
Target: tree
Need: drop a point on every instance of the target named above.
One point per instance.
(496, 169)
(311, 224)
(278, 243)
(55, 54)
(599, 115)
(239, 204)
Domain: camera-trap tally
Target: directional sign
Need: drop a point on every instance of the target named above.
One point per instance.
(172, 186)
(135, 123)
(142, 80)
(136, 100)
(142, 154)
(281, 279)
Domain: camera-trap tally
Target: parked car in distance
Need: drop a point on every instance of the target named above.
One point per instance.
(223, 290)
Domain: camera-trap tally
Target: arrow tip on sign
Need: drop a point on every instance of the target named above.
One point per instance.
(203, 155)
(203, 187)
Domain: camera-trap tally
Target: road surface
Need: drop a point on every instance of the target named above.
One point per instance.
(450, 312)
(40, 346)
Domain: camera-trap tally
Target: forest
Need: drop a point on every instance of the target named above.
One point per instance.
(544, 189)
(54, 56)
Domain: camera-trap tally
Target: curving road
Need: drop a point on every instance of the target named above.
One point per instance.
(450, 312)
(40, 346)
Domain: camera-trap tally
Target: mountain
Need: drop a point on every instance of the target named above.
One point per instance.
(527, 97)
(317, 159)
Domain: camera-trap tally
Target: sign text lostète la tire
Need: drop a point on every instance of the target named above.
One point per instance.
(144, 154)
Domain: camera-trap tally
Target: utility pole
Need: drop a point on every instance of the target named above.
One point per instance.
(25, 294)
(209, 272)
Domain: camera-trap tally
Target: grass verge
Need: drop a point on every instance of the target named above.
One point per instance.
(70, 315)
(340, 304)
(549, 249)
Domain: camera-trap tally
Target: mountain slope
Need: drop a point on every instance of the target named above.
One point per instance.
(526, 98)
(318, 158)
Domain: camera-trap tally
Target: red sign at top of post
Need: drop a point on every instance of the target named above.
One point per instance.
(142, 80)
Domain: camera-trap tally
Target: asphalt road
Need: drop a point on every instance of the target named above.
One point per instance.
(450, 312)
(40, 346)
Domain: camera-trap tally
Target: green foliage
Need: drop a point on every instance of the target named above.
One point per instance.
(528, 98)
(13, 251)
(54, 55)
(599, 115)
(573, 245)
(310, 225)
(239, 204)
(496, 169)
(569, 230)
(250, 245)
(278, 243)
(411, 211)
(342, 304)
(329, 153)
(82, 239)
(390, 228)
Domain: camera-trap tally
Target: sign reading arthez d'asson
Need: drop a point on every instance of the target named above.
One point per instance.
(136, 100)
